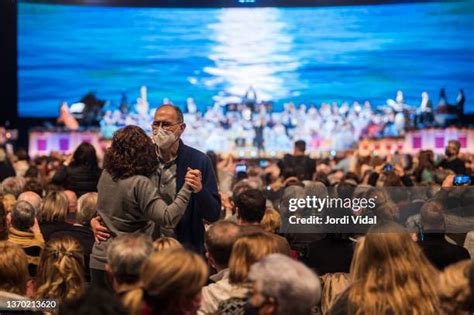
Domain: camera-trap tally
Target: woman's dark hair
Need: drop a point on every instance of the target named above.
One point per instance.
(85, 155)
(132, 153)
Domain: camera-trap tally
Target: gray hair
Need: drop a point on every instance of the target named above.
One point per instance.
(86, 207)
(23, 216)
(296, 288)
(33, 198)
(126, 255)
(13, 185)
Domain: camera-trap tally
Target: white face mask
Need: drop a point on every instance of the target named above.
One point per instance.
(164, 139)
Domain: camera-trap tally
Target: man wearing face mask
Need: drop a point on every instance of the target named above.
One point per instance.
(176, 159)
(452, 160)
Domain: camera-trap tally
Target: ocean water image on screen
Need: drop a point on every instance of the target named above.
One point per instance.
(308, 55)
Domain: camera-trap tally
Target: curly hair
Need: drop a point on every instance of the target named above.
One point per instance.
(61, 270)
(132, 153)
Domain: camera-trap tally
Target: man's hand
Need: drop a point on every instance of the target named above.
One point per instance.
(448, 182)
(101, 232)
(194, 179)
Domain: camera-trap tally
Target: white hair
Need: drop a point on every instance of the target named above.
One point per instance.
(296, 288)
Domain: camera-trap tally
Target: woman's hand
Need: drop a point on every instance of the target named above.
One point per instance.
(101, 232)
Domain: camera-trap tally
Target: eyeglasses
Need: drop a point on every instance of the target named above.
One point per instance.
(164, 124)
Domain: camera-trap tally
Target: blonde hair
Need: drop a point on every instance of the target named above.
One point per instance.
(271, 221)
(55, 207)
(455, 293)
(167, 277)
(391, 274)
(61, 270)
(164, 243)
(248, 250)
(13, 268)
(86, 207)
(9, 201)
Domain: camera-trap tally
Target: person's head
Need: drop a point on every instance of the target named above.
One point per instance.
(131, 153)
(247, 250)
(85, 155)
(300, 147)
(168, 126)
(13, 268)
(171, 284)
(389, 269)
(164, 243)
(126, 255)
(283, 286)
(432, 217)
(271, 221)
(251, 205)
(61, 270)
(453, 148)
(55, 207)
(219, 239)
(33, 198)
(94, 301)
(23, 216)
(456, 296)
(34, 185)
(72, 200)
(13, 185)
(86, 208)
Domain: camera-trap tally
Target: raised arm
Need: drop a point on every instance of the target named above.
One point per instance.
(156, 208)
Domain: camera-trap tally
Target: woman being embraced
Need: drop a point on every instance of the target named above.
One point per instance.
(128, 201)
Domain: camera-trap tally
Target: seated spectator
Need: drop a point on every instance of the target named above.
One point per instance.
(247, 250)
(13, 186)
(80, 173)
(72, 208)
(455, 293)
(294, 291)
(219, 240)
(171, 284)
(125, 257)
(81, 230)
(53, 214)
(13, 273)
(436, 248)
(452, 161)
(391, 276)
(33, 198)
(61, 271)
(92, 303)
(331, 254)
(24, 231)
(271, 221)
(34, 185)
(164, 243)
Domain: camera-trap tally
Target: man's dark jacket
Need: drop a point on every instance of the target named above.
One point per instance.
(205, 205)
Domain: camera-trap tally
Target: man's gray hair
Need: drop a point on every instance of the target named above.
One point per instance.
(13, 185)
(33, 198)
(296, 288)
(126, 255)
(23, 216)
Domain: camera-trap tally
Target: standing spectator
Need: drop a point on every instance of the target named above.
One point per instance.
(61, 271)
(128, 200)
(220, 238)
(298, 163)
(6, 169)
(53, 214)
(79, 173)
(25, 232)
(452, 161)
(440, 252)
(171, 284)
(283, 286)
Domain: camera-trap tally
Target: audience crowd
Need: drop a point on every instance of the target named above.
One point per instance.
(159, 227)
